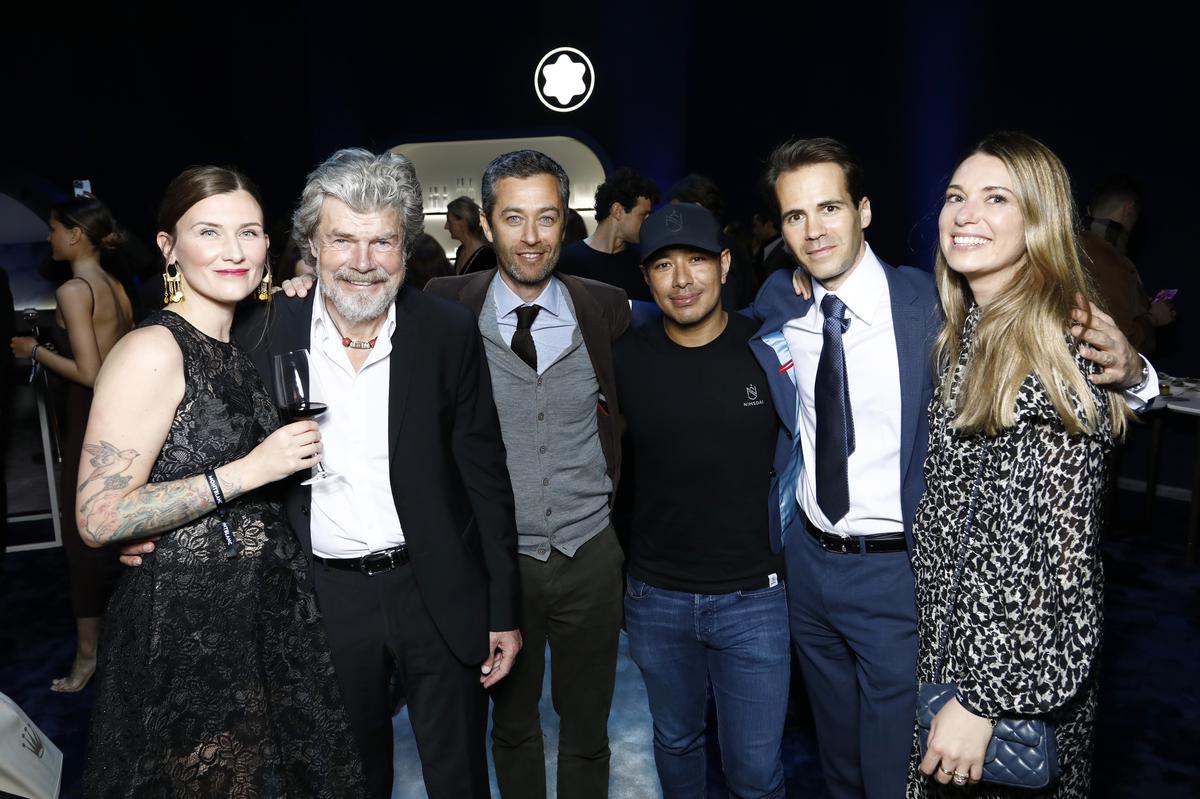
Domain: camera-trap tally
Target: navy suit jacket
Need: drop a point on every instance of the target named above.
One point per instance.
(916, 319)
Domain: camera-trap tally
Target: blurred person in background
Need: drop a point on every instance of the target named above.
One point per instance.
(427, 261)
(292, 263)
(93, 313)
(1111, 219)
(610, 254)
(8, 315)
(576, 228)
(474, 253)
(740, 286)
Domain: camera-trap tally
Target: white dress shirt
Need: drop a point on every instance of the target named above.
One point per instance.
(354, 515)
(873, 378)
(552, 328)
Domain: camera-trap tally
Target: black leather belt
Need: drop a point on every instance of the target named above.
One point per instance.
(856, 544)
(371, 563)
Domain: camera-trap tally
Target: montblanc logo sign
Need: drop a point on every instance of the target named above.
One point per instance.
(564, 79)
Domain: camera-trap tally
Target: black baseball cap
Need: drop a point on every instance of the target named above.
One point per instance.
(681, 225)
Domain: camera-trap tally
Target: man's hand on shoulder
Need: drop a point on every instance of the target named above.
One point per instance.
(802, 283)
(502, 653)
(1103, 343)
(297, 286)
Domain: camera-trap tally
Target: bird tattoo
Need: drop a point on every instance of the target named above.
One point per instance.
(108, 462)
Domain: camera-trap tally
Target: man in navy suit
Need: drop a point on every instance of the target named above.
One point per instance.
(845, 501)
(851, 379)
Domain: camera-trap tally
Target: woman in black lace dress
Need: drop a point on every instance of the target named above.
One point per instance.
(1014, 392)
(215, 678)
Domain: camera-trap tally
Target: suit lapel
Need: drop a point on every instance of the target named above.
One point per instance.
(475, 290)
(405, 342)
(910, 330)
(594, 325)
(771, 350)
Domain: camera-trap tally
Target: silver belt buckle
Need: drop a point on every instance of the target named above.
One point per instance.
(365, 567)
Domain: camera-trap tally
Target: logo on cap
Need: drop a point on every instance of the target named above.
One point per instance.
(564, 79)
(674, 221)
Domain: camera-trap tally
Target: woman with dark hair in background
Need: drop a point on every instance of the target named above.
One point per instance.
(576, 229)
(215, 677)
(474, 253)
(427, 261)
(93, 313)
(1007, 555)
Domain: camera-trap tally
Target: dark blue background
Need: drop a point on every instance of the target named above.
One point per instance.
(127, 96)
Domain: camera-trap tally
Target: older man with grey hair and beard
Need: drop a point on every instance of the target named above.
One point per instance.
(413, 544)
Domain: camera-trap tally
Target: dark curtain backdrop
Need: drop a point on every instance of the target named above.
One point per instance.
(127, 95)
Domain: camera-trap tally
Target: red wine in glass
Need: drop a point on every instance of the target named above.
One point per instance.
(304, 409)
(292, 397)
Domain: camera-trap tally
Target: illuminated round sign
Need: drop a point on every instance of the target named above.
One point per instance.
(564, 79)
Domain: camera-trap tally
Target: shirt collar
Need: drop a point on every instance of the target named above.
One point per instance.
(507, 302)
(862, 290)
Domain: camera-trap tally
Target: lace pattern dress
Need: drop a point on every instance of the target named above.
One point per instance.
(215, 677)
(1026, 631)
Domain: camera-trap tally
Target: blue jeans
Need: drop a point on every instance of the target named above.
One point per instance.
(738, 641)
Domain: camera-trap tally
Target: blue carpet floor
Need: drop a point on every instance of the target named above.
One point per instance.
(1148, 737)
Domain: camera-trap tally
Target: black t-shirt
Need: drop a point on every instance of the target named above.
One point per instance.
(622, 269)
(700, 438)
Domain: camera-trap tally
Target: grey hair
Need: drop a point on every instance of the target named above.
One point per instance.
(366, 182)
(522, 164)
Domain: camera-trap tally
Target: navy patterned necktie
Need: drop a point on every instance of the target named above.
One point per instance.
(522, 340)
(835, 422)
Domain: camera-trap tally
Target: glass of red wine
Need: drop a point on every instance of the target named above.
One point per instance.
(294, 400)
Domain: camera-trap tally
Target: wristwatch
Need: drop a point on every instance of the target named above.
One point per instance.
(1145, 377)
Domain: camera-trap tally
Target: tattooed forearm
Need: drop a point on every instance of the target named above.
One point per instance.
(153, 508)
(110, 512)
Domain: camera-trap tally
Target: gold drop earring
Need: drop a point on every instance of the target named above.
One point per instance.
(264, 286)
(172, 285)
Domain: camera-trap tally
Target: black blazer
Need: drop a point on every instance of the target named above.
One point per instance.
(449, 475)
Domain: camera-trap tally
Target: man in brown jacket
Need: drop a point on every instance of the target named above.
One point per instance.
(1112, 216)
(548, 341)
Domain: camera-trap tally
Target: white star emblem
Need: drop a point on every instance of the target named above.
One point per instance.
(564, 79)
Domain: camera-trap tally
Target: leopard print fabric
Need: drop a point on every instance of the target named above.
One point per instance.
(1026, 630)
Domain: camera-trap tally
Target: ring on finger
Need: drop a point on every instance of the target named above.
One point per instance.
(947, 771)
(959, 778)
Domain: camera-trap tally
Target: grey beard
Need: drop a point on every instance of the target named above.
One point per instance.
(358, 308)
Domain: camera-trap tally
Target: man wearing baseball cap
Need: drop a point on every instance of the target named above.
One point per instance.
(705, 600)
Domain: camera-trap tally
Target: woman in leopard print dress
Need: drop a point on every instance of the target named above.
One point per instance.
(1026, 628)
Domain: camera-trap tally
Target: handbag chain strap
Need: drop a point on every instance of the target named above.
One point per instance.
(944, 635)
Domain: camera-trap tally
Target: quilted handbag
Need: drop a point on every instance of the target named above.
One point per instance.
(1021, 752)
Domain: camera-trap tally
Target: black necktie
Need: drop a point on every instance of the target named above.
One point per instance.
(522, 340)
(835, 423)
